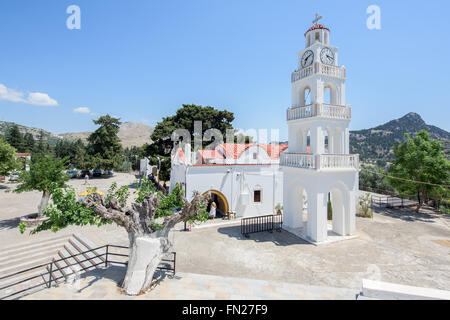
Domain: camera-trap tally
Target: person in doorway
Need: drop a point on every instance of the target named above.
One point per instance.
(212, 210)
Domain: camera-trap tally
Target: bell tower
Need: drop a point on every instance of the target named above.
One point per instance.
(318, 164)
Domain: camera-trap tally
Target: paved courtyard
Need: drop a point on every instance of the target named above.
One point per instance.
(398, 246)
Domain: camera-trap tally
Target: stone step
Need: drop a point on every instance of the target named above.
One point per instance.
(7, 251)
(30, 255)
(63, 267)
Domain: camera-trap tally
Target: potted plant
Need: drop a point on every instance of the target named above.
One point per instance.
(279, 209)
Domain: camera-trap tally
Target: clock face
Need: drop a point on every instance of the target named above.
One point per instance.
(327, 56)
(307, 58)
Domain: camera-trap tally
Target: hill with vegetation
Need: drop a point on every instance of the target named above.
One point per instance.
(375, 144)
(130, 134)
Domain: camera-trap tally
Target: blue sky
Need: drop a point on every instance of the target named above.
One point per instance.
(142, 59)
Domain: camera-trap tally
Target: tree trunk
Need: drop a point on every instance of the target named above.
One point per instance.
(146, 253)
(44, 201)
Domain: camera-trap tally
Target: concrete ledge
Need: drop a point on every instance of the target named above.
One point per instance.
(392, 291)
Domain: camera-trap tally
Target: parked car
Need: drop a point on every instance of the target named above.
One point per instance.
(73, 173)
(14, 176)
(83, 173)
(97, 173)
(110, 173)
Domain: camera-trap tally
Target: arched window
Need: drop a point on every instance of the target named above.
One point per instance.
(307, 95)
(327, 95)
(308, 141)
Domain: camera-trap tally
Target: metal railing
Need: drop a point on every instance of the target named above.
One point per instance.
(49, 277)
(261, 224)
(392, 201)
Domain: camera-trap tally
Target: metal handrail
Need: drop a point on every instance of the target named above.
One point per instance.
(50, 271)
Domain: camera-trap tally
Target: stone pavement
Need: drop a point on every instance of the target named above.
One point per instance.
(102, 285)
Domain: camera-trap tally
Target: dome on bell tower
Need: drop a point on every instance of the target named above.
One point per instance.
(317, 33)
(317, 27)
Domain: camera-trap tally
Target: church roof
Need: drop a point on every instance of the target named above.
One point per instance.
(317, 27)
(235, 150)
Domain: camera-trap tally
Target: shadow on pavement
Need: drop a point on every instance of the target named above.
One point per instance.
(410, 214)
(282, 238)
(9, 223)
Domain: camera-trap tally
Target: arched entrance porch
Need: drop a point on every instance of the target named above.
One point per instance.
(221, 202)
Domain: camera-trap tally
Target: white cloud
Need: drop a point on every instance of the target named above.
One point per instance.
(34, 98)
(41, 99)
(81, 110)
(10, 94)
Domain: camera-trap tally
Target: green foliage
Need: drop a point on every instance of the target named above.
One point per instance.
(104, 148)
(73, 152)
(146, 187)
(46, 174)
(419, 165)
(329, 211)
(8, 161)
(365, 205)
(376, 143)
(66, 210)
(184, 119)
(371, 178)
(279, 207)
(22, 227)
(15, 138)
(120, 194)
(133, 156)
(125, 167)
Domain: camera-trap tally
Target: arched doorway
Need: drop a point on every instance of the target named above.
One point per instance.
(221, 202)
(338, 211)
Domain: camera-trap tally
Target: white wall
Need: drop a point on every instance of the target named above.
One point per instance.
(230, 181)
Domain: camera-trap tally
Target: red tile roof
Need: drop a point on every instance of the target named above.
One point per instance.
(235, 150)
(317, 27)
(210, 154)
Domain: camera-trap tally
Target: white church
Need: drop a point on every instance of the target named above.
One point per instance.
(315, 168)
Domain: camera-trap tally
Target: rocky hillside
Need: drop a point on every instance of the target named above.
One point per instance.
(131, 133)
(375, 143)
(50, 137)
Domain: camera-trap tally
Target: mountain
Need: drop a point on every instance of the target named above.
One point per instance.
(130, 133)
(375, 144)
(50, 137)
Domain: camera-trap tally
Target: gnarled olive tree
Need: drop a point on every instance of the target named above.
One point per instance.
(147, 221)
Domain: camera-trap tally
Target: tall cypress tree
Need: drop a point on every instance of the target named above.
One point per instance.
(15, 138)
(104, 148)
(29, 143)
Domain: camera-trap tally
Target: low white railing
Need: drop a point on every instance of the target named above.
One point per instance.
(298, 160)
(319, 110)
(320, 161)
(332, 161)
(303, 73)
(319, 68)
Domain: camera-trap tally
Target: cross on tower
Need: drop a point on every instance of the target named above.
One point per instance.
(316, 20)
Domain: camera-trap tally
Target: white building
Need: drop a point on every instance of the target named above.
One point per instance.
(319, 119)
(315, 170)
(244, 178)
